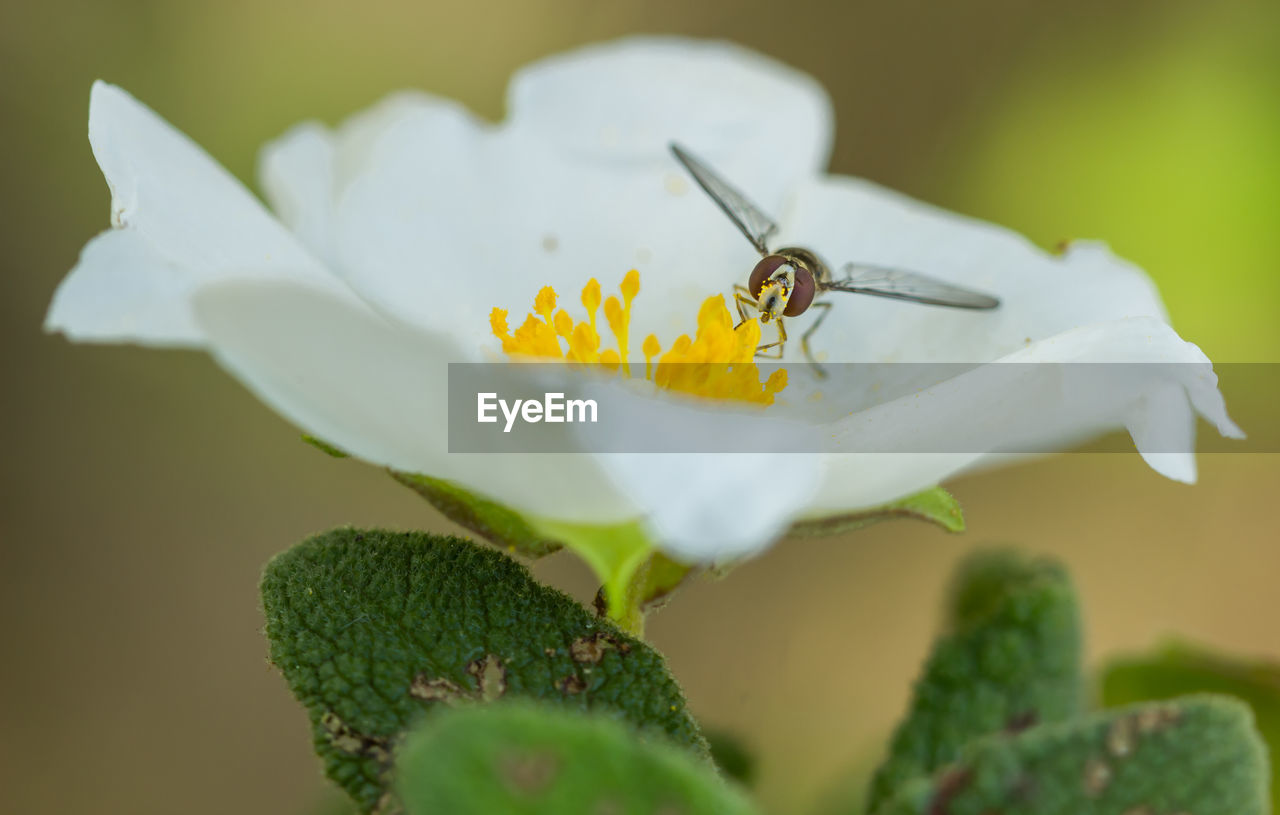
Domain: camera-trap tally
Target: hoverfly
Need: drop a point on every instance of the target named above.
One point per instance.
(786, 282)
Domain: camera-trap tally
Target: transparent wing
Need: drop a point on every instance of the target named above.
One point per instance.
(751, 221)
(903, 285)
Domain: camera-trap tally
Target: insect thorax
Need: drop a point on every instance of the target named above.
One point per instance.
(807, 259)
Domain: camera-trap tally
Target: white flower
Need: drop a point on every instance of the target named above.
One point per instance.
(395, 234)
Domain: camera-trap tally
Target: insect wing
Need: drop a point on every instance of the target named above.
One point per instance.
(903, 285)
(745, 215)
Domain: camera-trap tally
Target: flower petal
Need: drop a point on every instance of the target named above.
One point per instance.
(305, 171)
(501, 212)
(630, 98)
(1163, 428)
(187, 221)
(1049, 396)
(296, 172)
(854, 481)
(377, 390)
(122, 290)
(850, 220)
(707, 508)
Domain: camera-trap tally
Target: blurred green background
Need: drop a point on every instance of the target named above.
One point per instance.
(142, 491)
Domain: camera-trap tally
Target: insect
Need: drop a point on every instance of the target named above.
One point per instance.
(786, 282)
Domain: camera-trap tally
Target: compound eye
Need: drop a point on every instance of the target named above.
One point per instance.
(803, 293)
(763, 271)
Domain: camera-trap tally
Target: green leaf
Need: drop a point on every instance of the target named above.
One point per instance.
(325, 447)
(526, 760)
(1177, 669)
(936, 505)
(632, 574)
(731, 756)
(373, 629)
(634, 577)
(1195, 755)
(1009, 660)
(492, 521)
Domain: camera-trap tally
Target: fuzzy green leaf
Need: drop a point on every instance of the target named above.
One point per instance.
(634, 576)
(373, 629)
(936, 506)
(1177, 669)
(1009, 660)
(525, 760)
(732, 756)
(1195, 755)
(621, 555)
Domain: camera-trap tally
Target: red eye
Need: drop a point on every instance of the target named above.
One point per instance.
(803, 293)
(766, 267)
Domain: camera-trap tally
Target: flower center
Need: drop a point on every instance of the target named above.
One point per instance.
(718, 363)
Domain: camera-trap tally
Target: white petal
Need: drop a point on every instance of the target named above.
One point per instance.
(849, 220)
(305, 171)
(628, 99)
(296, 173)
(378, 391)
(451, 217)
(187, 221)
(120, 289)
(706, 507)
(1049, 396)
(1163, 428)
(854, 481)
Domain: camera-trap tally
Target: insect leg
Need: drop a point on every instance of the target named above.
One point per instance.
(819, 371)
(782, 339)
(742, 298)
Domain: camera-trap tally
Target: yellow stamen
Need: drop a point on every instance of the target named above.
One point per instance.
(630, 286)
(545, 303)
(591, 300)
(584, 344)
(498, 324)
(535, 338)
(718, 363)
(650, 349)
(617, 317)
(564, 324)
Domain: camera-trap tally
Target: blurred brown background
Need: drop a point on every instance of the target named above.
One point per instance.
(142, 490)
